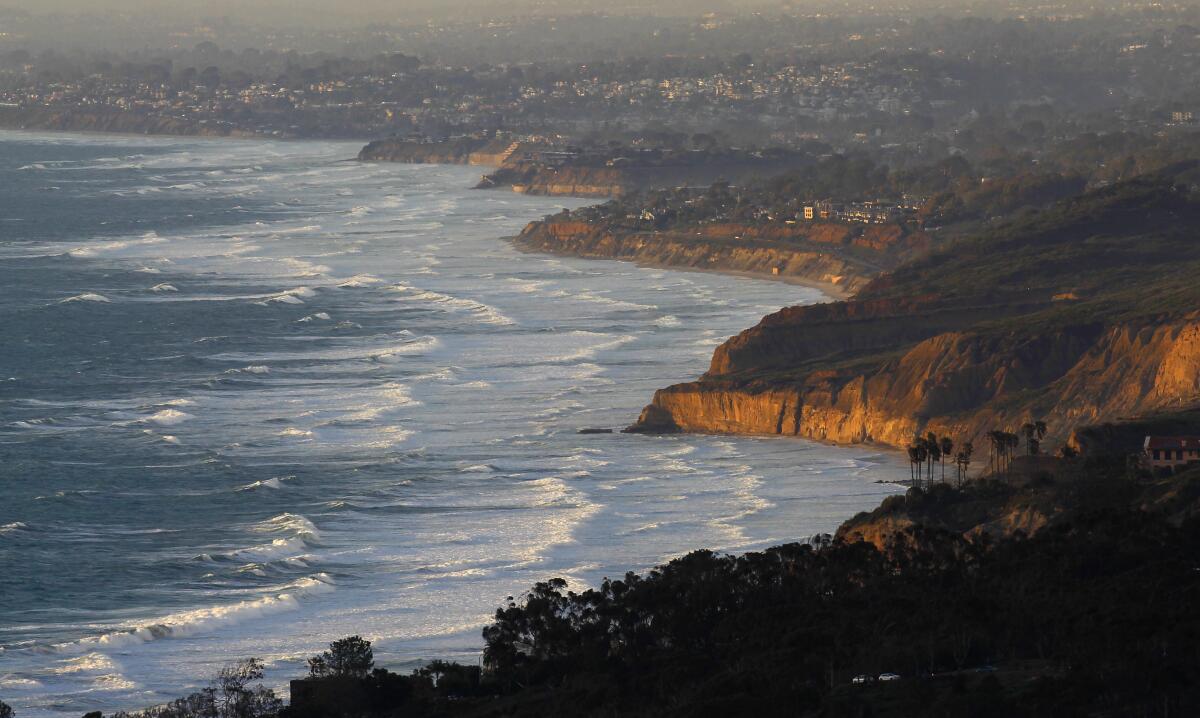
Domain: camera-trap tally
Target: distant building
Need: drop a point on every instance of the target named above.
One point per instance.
(1180, 116)
(1170, 452)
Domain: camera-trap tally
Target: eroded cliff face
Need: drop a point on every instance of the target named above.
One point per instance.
(711, 252)
(598, 182)
(960, 384)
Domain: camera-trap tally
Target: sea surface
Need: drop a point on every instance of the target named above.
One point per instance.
(255, 396)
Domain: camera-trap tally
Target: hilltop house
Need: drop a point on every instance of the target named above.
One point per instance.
(1170, 452)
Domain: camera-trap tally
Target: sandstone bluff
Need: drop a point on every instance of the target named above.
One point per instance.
(1081, 314)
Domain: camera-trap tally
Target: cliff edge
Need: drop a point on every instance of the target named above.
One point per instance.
(1077, 315)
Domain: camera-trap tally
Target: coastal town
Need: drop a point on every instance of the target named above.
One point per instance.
(890, 88)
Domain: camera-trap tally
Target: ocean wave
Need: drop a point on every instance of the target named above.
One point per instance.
(486, 313)
(381, 351)
(478, 469)
(608, 342)
(253, 369)
(360, 280)
(164, 288)
(87, 297)
(283, 299)
(13, 528)
(169, 417)
(293, 523)
(615, 303)
(274, 483)
(294, 433)
(202, 620)
(91, 250)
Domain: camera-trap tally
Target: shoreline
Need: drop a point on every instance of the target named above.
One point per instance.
(832, 292)
(161, 135)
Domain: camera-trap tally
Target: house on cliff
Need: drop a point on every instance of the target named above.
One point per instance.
(1170, 452)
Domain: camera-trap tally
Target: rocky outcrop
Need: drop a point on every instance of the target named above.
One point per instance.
(841, 272)
(459, 151)
(597, 182)
(960, 384)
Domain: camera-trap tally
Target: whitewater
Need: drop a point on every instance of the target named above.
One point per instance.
(256, 396)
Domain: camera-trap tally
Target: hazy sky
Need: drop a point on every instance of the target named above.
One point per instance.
(369, 9)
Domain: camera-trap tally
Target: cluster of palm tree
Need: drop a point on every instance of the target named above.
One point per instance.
(1034, 432)
(1002, 445)
(930, 450)
(1005, 443)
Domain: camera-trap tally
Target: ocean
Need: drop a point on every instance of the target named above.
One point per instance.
(256, 396)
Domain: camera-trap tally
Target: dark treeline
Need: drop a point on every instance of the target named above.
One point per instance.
(1083, 619)
(1095, 616)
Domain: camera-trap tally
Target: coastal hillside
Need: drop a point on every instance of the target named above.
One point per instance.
(612, 173)
(1079, 314)
(459, 151)
(825, 254)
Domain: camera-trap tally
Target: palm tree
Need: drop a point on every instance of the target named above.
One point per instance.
(922, 455)
(995, 450)
(935, 452)
(1012, 442)
(913, 459)
(947, 446)
(1028, 429)
(963, 459)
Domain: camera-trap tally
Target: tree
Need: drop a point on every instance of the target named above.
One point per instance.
(922, 453)
(963, 460)
(234, 697)
(349, 657)
(946, 446)
(913, 460)
(230, 695)
(5, 710)
(1034, 433)
(1001, 447)
(935, 452)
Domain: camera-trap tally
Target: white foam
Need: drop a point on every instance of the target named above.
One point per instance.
(275, 483)
(360, 280)
(285, 299)
(486, 313)
(293, 432)
(253, 369)
(169, 417)
(87, 297)
(164, 288)
(94, 249)
(203, 620)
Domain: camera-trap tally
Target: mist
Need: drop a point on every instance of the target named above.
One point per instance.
(324, 12)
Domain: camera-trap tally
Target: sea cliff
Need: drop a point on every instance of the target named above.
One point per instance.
(834, 256)
(769, 258)
(1103, 325)
(461, 151)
